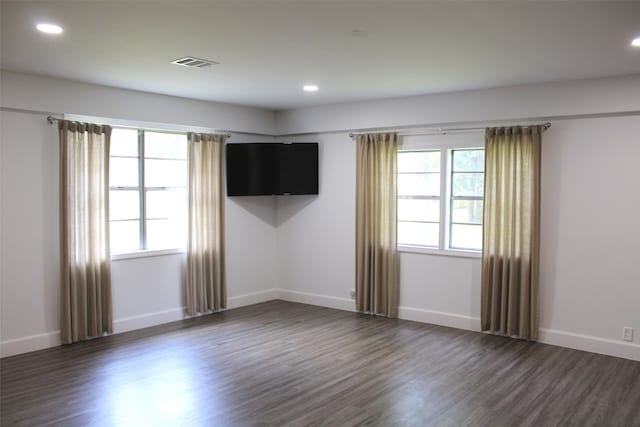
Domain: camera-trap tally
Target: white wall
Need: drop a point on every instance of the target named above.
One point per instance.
(537, 102)
(590, 207)
(590, 235)
(146, 291)
(29, 228)
(316, 251)
(316, 234)
(301, 248)
(590, 272)
(46, 94)
(150, 291)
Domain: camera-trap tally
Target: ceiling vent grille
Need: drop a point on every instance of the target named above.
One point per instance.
(192, 62)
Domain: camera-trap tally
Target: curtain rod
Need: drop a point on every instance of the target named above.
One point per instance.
(444, 131)
(51, 120)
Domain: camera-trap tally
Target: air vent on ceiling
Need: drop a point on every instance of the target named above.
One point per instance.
(192, 62)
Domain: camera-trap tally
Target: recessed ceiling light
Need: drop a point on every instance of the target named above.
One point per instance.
(358, 33)
(310, 88)
(49, 28)
(636, 42)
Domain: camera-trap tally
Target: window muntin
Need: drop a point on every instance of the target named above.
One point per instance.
(445, 183)
(148, 190)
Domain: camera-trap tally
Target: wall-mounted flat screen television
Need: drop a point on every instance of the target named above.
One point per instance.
(263, 169)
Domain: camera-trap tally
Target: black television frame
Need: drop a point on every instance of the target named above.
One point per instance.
(271, 168)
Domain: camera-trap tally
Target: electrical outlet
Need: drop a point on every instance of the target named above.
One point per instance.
(627, 333)
(352, 294)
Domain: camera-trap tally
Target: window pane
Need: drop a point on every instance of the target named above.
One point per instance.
(418, 233)
(468, 160)
(124, 236)
(166, 234)
(468, 184)
(124, 142)
(123, 172)
(419, 161)
(418, 210)
(427, 184)
(165, 173)
(466, 236)
(467, 211)
(124, 204)
(167, 204)
(165, 145)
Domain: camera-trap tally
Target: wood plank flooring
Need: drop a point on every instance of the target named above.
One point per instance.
(286, 364)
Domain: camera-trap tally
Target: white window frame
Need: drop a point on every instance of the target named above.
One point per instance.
(446, 144)
(142, 251)
(451, 198)
(423, 197)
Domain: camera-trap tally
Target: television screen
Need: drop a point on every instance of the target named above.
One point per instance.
(258, 169)
(251, 169)
(297, 171)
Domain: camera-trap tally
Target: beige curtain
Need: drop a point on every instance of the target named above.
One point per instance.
(376, 225)
(205, 286)
(511, 239)
(84, 231)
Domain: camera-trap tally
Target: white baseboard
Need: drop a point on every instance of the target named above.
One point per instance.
(252, 298)
(547, 336)
(147, 319)
(29, 343)
(589, 343)
(405, 313)
(439, 318)
(52, 339)
(623, 349)
(317, 299)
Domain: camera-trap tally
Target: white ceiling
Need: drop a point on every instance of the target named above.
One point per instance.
(267, 50)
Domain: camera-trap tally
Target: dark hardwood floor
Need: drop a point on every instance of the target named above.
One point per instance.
(280, 363)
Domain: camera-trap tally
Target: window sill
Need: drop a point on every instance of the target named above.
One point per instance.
(440, 252)
(146, 254)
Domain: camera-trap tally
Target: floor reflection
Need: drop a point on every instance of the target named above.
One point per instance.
(159, 387)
